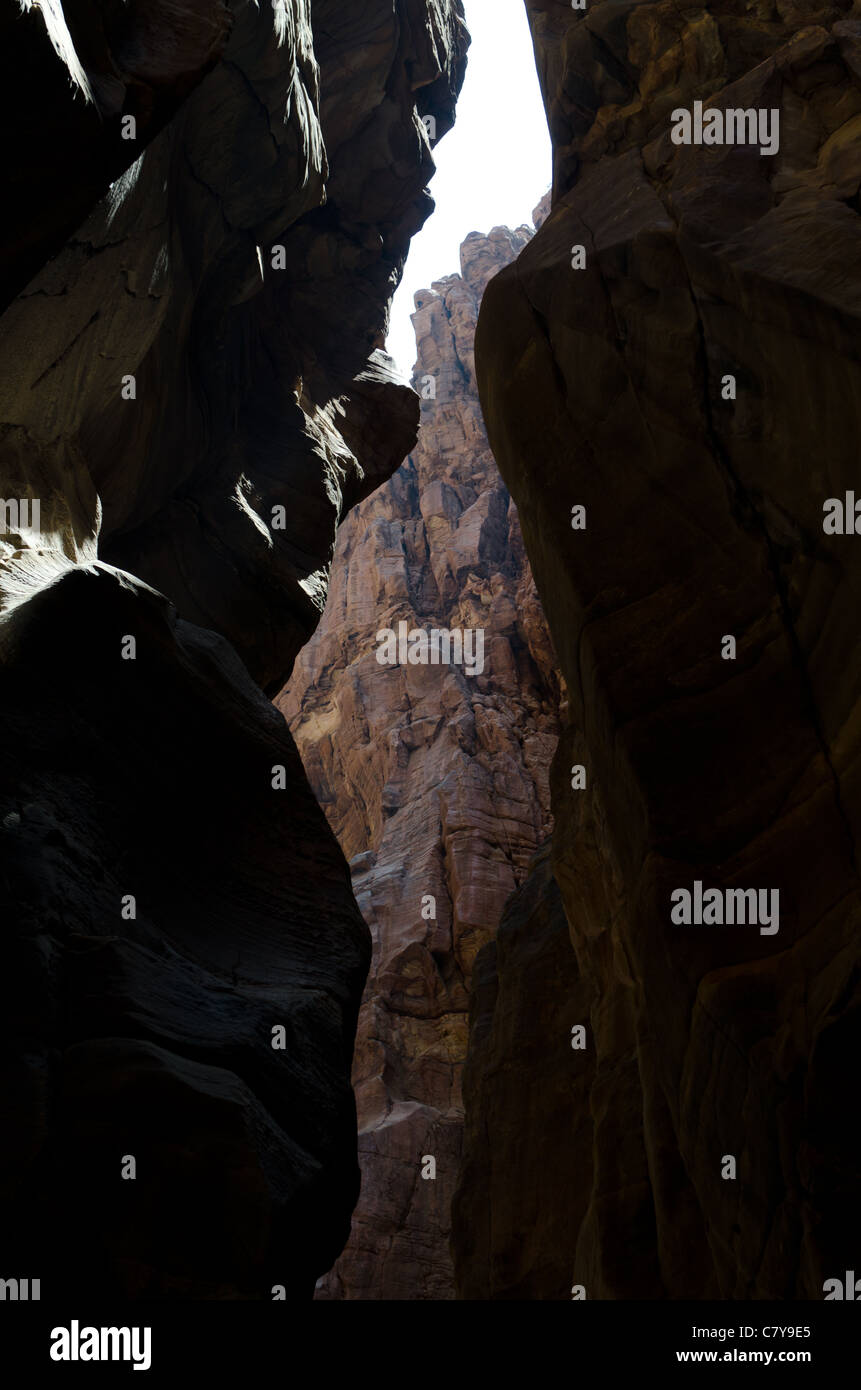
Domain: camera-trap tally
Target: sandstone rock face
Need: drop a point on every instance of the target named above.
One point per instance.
(135, 60)
(194, 392)
(607, 388)
(536, 1107)
(434, 780)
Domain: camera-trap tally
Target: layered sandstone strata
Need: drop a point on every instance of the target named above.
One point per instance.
(194, 391)
(434, 780)
(697, 388)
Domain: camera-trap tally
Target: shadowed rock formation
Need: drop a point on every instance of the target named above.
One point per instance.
(137, 60)
(434, 781)
(194, 392)
(608, 388)
(526, 989)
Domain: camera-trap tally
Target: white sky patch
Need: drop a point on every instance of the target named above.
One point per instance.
(493, 168)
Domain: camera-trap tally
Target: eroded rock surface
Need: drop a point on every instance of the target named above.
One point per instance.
(536, 1105)
(434, 781)
(194, 391)
(607, 387)
(130, 66)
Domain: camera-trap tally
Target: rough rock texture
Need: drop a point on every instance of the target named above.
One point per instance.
(194, 421)
(536, 1104)
(604, 387)
(138, 60)
(434, 781)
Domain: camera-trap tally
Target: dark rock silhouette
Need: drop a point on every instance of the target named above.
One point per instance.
(194, 420)
(607, 388)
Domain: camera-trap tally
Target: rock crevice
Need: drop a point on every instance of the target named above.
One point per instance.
(434, 780)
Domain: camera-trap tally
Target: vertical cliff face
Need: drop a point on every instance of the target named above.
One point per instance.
(192, 393)
(691, 377)
(433, 779)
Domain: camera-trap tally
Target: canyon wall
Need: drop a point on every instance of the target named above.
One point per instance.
(193, 392)
(434, 780)
(691, 377)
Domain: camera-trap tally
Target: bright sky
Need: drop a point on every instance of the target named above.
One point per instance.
(493, 168)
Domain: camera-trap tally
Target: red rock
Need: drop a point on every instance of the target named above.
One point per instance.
(603, 388)
(433, 781)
